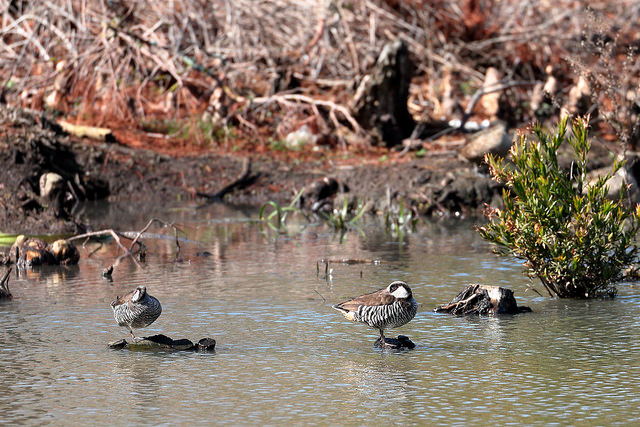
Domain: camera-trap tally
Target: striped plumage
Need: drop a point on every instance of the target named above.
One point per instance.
(137, 309)
(387, 308)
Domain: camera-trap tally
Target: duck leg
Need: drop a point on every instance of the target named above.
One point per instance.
(383, 343)
(391, 343)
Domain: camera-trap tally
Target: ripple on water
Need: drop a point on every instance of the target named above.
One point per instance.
(285, 357)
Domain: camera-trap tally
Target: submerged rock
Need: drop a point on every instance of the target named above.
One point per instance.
(206, 344)
(396, 343)
(483, 300)
(163, 342)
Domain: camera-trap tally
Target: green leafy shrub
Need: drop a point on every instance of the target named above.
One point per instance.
(574, 239)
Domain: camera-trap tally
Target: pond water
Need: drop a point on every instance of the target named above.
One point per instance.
(284, 356)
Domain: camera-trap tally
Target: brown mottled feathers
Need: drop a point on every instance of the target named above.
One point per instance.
(381, 297)
(123, 299)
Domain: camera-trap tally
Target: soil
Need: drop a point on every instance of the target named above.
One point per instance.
(33, 144)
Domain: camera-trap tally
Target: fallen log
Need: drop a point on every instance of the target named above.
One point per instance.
(91, 132)
(483, 300)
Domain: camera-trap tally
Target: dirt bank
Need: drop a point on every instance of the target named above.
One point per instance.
(32, 145)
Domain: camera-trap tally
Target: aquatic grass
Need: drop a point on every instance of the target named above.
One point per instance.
(400, 220)
(572, 237)
(279, 213)
(343, 218)
(7, 239)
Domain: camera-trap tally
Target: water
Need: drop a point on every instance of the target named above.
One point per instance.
(285, 357)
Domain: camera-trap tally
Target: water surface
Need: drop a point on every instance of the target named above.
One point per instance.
(285, 357)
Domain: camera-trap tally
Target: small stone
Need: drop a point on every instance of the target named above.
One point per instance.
(621, 180)
(106, 273)
(206, 344)
(299, 139)
(51, 184)
(493, 140)
(118, 344)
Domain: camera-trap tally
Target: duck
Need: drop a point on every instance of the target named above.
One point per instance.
(137, 309)
(387, 308)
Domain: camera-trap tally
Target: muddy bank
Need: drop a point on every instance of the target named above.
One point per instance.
(32, 145)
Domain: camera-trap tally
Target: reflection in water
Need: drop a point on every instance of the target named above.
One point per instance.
(52, 275)
(138, 377)
(377, 381)
(283, 357)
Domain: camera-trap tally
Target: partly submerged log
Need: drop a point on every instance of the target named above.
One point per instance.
(163, 342)
(483, 300)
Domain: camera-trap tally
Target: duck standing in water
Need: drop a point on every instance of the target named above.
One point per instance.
(387, 308)
(137, 309)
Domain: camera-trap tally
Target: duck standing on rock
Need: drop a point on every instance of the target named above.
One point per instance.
(137, 309)
(390, 307)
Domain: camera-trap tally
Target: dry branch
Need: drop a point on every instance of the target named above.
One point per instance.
(243, 179)
(135, 240)
(142, 58)
(285, 99)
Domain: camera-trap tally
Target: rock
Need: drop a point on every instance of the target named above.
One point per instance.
(182, 344)
(300, 139)
(29, 252)
(457, 193)
(54, 194)
(493, 140)
(107, 272)
(206, 344)
(65, 252)
(319, 196)
(51, 184)
(163, 342)
(483, 300)
(118, 344)
(380, 102)
(621, 180)
(396, 343)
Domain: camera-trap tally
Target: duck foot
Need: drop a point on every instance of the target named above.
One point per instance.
(395, 343)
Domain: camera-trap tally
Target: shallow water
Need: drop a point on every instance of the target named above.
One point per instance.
(285, 357)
